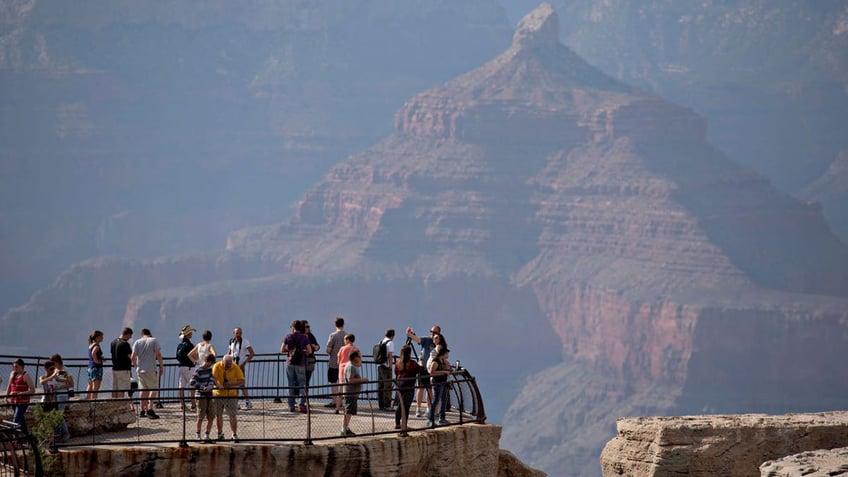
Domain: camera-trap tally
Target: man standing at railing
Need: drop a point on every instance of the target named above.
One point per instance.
(384, 372)
(242, 353)
(334, 344)
(296, 345)
(145, 353)
(228, 378)
(121, 364)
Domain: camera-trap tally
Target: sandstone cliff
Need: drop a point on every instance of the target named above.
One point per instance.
(467, 451)
(723, 445)
(554, 221)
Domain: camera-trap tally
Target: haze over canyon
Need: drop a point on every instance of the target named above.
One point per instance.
(612, 209)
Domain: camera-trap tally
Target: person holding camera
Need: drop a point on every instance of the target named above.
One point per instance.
(228, 379)
(242, 353)
(427, 343)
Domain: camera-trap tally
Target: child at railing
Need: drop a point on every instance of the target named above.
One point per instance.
(353, 385)
(204, 382)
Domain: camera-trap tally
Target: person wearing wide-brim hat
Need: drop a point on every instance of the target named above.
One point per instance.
(186, 365)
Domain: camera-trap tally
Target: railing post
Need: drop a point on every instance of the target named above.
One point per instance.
(184, 442)
(277, 399)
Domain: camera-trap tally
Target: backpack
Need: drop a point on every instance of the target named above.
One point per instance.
(297, 356)
(183, 349)
(380, 353)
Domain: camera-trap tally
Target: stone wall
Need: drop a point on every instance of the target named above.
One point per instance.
(467, 451)
(731, 445)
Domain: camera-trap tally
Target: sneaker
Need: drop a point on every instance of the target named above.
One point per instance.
(330, 405)
(198, 436)
(397, 426)
(429, 423)
(443, 422)
(193, 407)
(207, 439)
(343, 433)
(143, 413)
(292, 409)
(302, 409)
(348, 432)
(152, 415)
(248, 405)
(235, 438)
(419, 413)
(220, 436)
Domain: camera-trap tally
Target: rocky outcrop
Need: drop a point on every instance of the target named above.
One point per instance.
(470, 451)
(83, 420)
(717, 445)
(820, 463)
(510, 466)
(831, 191)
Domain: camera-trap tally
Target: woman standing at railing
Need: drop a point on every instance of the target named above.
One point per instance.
(407, 371)
(95, 364)
(439, 368)
(19, 389)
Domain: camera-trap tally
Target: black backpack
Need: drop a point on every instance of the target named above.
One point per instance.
(380, 352)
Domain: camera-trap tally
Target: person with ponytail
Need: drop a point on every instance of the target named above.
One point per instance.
(95, 364)
(407, 371)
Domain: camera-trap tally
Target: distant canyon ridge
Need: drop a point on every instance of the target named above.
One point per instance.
(589, 253)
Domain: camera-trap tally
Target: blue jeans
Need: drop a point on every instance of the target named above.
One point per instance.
(296, 377)
(440, 392)
(20, 416)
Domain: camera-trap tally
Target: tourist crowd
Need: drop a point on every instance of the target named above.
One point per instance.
(211, 387)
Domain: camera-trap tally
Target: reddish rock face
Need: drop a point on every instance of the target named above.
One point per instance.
(535, 198)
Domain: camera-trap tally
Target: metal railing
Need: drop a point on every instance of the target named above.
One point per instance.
(270, 419)
(18, 452)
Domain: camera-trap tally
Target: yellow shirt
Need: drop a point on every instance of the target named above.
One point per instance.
(232, 374)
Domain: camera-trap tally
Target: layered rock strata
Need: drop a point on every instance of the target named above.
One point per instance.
(820, 463)
(717, 445)
(469, 451)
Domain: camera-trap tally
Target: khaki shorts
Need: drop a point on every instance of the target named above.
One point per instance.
(206, 408)
(148, 381)
(226, 404)
(121, 380)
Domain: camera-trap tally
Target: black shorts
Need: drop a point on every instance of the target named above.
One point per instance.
(350, 404)
(424, 380)
(332, 375)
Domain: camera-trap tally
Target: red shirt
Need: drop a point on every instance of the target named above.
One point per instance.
(19, 385)
(344, 358)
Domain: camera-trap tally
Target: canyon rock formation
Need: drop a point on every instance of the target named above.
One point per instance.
(724, 445)
(775, 101)
(587, 252)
